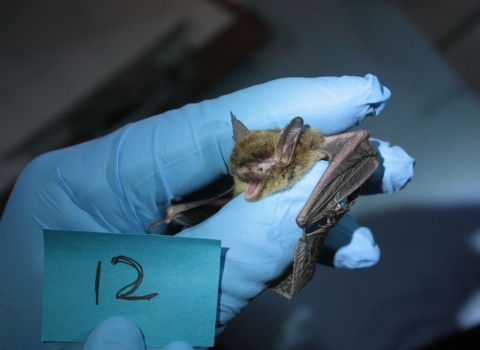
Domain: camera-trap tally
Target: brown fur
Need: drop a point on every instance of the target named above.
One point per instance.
(260, 145)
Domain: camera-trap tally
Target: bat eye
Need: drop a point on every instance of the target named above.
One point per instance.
(260, 168)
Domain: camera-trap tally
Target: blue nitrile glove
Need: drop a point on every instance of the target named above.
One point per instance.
(118, 333)
(124, 181)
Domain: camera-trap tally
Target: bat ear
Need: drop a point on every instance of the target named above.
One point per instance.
(239, 130)
(287, 141)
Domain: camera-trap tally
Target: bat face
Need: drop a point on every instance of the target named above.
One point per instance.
(252, 162)
(268, 161)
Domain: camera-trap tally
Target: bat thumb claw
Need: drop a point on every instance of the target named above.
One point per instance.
(304, 235)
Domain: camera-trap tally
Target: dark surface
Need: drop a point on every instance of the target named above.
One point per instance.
(149, 86)
(407, 301)
(468, 340)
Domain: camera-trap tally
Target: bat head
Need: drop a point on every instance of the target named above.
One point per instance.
(258, 154)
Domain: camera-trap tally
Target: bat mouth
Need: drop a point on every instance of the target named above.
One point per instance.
(252, 192)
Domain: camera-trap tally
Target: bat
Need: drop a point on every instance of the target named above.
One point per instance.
(264, 162)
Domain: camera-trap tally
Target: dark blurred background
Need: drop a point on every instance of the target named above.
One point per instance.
(75, 70)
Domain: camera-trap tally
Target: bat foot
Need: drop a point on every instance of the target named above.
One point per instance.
(155, 224)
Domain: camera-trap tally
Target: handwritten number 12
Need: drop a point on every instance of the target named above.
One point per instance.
(131, 288)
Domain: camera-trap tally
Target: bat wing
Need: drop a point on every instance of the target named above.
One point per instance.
(352, 159)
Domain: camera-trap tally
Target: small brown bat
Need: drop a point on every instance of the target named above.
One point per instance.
(264, 162)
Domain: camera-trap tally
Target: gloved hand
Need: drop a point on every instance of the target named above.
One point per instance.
(124, 181)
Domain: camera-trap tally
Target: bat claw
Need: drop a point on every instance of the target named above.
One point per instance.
(304, 235)
(156, 223)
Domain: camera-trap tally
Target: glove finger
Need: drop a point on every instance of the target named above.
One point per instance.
(116, 333)
(195, 150)
(349, 246)
(394, 172)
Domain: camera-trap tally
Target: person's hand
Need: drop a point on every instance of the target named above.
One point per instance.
(124, 181)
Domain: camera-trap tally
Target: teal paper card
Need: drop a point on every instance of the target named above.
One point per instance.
(167, 286)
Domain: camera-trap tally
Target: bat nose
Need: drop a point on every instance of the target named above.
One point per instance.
(242, 171)
(239, 171)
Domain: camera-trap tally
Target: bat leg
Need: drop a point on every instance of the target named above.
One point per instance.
(176, 209)
(192, 213)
